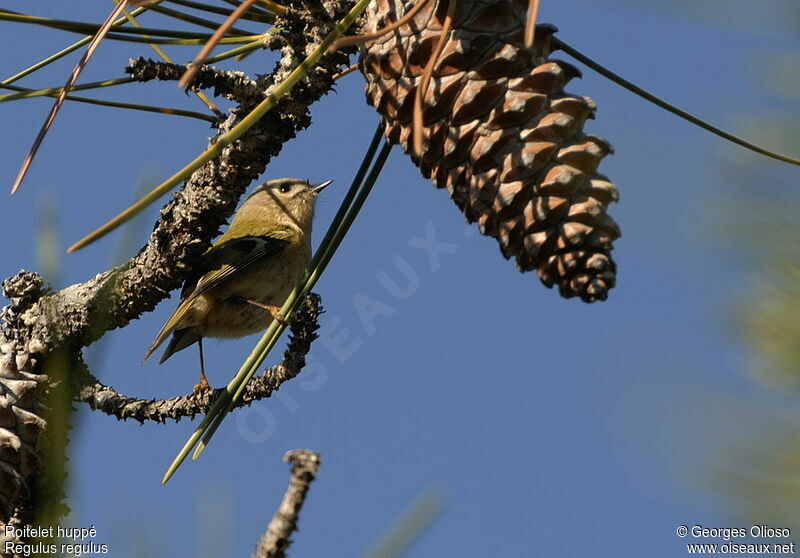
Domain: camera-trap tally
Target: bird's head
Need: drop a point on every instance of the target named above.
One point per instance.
(279, 204)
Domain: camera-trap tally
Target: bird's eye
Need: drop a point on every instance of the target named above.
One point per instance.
(285, 188)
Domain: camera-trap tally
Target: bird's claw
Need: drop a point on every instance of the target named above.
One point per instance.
(202, 387)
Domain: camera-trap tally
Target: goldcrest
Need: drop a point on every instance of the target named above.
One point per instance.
(249, 271)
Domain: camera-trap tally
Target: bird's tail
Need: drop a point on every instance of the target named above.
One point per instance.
(181, 338)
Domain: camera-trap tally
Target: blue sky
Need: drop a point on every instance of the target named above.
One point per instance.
(549, 427)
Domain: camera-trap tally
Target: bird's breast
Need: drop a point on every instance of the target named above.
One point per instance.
(229, 315)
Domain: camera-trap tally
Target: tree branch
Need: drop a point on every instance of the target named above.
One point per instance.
(102, 398)
(236, 86)
(276, 539)
(39, 321)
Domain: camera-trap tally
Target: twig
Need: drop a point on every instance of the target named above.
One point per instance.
(276, 539)
(231, 84)
(344, 72)
(102, 398)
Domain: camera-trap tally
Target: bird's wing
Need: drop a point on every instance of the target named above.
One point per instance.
(235, 256)
(223, 261)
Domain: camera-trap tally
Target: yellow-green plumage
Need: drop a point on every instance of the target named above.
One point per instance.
(256, 262)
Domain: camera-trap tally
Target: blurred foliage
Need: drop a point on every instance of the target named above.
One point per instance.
(137, 536)
(758, 219)
(129, 240)
(759, 474)
(214, 518)
(754, 438)
(771, 324)
(48, 252)
(418, 518)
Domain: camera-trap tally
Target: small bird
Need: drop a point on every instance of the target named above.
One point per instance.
(248, 272)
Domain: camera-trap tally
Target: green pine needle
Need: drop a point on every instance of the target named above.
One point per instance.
(71, 48)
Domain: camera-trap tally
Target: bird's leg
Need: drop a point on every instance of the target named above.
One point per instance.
(203, 385)
(274, 311)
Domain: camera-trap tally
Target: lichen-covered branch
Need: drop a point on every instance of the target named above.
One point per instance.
(234, 85)
(39, 322)
(277, 538)
(304, 325)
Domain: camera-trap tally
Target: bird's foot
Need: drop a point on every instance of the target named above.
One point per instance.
(274, 311)
(202, 386)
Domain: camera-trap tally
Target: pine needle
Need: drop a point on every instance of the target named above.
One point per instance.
(71, 48)
(158, 50)
(619, 80)
(188, 76)
(422, 88)
(25, 93)
(252, 15)
(530, 23)
(367, 37)
(95, 42)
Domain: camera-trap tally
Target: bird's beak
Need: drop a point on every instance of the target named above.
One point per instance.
(321, 186)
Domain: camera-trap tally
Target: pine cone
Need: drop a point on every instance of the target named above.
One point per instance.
(21, 423)
(500, 134)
